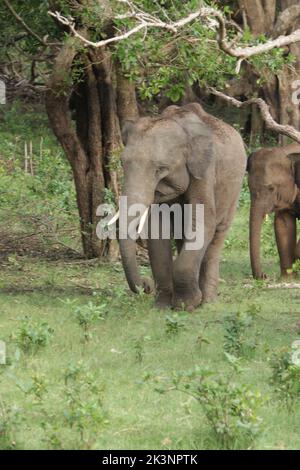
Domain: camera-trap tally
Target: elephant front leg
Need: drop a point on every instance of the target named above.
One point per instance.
(161, 260)
(285, 231)
(210, 267)
(187, 293)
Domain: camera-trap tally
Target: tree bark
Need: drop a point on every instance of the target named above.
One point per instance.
(260, 14)
(289, 112)
(99, 100)
(277, 90)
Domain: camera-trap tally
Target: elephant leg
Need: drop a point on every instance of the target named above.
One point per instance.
(161, 260)
(285, 231)
(210, 267)
(186, 270)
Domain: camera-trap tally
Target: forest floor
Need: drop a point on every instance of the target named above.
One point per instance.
(88, 365)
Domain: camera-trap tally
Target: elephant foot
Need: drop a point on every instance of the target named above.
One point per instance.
(287, 276)
(260, 277)
(147, 285)
(187, 302)
(210, 298)
(163, 300)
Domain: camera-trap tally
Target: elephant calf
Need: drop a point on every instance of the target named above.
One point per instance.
(274, 181)
(187, 156)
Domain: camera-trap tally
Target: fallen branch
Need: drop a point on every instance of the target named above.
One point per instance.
(287, 130)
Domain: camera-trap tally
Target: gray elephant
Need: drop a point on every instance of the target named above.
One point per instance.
(274, 181)
(188, 156)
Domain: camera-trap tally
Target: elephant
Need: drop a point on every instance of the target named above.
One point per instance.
(274, 182)
(188, 156)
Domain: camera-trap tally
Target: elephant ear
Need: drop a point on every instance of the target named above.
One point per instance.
(126, 130)
(200, 143)
(295, 158)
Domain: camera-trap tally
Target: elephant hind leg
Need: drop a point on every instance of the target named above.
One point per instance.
(210, 267)
(285, 232)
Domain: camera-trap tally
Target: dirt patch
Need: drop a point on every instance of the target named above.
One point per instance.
(32, 245)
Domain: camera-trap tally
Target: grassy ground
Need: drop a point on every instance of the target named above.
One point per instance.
(128, 348)
(85, 358)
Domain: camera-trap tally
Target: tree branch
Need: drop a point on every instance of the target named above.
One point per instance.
(287, 130)
(145, 20)
(26, 27)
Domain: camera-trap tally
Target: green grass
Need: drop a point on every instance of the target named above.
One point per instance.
(136, 415)
(129, 348)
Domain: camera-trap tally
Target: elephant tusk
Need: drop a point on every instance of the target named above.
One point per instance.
(142, 221)
(114, 219)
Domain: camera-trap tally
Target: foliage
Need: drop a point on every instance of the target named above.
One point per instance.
(230, 409)
(175, 323)
(236, 336)
(87, 315)
(295, 268)
(84, 410)
(285, 378)
(41, 205)
(31, 335)
(8, 422)
(160, 62)
(81, 408)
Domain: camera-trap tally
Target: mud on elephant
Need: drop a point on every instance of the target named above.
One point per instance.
(274, 181)
(184, 155)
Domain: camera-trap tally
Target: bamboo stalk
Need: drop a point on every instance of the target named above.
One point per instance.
(26, 157)
(31, 158)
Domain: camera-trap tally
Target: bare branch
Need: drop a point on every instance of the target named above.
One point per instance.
(287, 130)
(26, 27)
(215, 17)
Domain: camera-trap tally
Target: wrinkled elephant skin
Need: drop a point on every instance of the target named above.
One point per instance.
(184, 155)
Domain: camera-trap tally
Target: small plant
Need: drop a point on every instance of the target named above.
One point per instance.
(38, 387)
(83, 409)
(87, 315)
(73, 371)
(285, 378)
(174, 324)
(79, 408)
(236, 340)
(139, 348)
(231, 410)
(8, 423)
(295, 268)
(31, 336)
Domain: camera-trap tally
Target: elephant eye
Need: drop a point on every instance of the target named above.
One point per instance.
(270, 187)
(162, 169)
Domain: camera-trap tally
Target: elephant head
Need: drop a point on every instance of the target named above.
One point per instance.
(161, 156)
(273, 178)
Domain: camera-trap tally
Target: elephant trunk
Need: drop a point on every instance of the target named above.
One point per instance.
(128, 246)
(130, 266)
(256, 219)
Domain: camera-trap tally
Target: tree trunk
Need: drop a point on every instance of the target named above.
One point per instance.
(277, 91)
(93, 144)
(289, 112)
